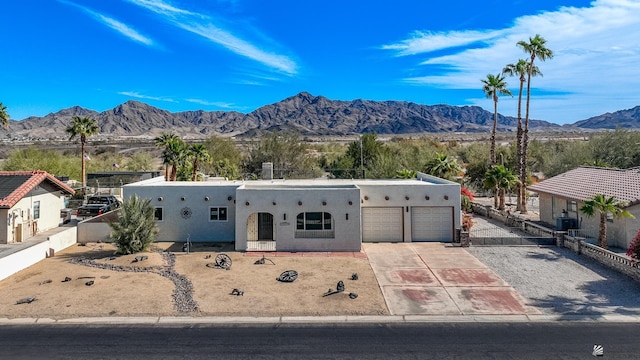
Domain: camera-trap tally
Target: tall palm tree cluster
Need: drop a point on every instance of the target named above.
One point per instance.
(4, 116)
(495, 85)
(177, 154)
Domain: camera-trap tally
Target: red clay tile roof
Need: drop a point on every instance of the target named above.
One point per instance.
(584, 182)
(19, 183)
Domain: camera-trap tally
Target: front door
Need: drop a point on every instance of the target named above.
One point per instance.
(265, 226)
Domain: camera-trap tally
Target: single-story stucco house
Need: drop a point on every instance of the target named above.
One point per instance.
(304, 215)
(562, 196)
(30, 202)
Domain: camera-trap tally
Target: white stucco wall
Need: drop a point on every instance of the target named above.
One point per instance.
(286, 200)
(193, 197)
(50, 205)
(620, 231)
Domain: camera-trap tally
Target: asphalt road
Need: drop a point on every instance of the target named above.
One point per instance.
(570, 340)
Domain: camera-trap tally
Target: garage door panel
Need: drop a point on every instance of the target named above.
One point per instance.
(432, 223)
(382, 224)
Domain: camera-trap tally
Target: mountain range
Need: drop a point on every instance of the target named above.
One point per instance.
(303, 113)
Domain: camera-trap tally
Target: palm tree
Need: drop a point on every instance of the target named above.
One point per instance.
(82, 127)
(500, 179)
(199, 153)
(521, 68)
(163, 140)
(174, 155)
(494, 85)
(604, 205)
(4, 116)
(135, 229)
(443, 166)
(536, 49)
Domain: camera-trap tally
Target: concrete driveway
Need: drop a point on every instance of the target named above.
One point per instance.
(440, 279)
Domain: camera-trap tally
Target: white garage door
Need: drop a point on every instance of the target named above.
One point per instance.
(382, 224)
(432, 224)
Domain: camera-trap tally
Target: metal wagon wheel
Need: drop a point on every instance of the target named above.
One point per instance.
(288, 276)
(223, 261)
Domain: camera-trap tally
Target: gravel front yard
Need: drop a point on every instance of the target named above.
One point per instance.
(559, 281)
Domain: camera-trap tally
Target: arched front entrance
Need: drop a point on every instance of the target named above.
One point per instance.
(261, 232)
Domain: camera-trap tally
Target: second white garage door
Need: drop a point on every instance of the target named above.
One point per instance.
(432, 224)
(382, 224)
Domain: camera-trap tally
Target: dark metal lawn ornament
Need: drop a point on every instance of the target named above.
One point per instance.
(263, 261)
(222, 261)
(288, 276)
(237, 292)
(339, 289)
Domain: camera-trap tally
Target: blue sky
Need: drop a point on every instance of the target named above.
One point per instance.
(242, 54)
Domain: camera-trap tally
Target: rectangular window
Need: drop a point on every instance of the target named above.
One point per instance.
(157, 214)
(36, 210)
(217, 214)
(573, 206)
(314, 225)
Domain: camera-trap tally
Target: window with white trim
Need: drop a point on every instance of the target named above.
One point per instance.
(218, 213)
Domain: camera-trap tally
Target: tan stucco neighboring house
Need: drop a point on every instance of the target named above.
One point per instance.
(30, 202)
(562, 196)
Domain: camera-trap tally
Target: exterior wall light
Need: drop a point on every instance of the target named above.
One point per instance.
(274, 203)
(247, 203)
(426, 197)
(300, 203)
(366, 198)
(446, 197)
(160, 198)
(324, 203)
(386, 197)
(206, 198)
(229, 198)
(183, 198)
(347, 216)
(406, 198)
(350, 202)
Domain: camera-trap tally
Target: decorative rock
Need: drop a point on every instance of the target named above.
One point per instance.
(27, 300)
(353, 295)
(89, 283)
(354, 276)
(48, 281)
(66, 279)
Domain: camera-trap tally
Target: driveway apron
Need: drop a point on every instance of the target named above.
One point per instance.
(440, 279)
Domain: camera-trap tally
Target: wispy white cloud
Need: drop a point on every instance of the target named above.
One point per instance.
(595, 64)
(114, 24)
(218, 104)
(137, 95)
(203, 26)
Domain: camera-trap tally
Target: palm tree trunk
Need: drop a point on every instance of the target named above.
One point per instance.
(493, 131)
(166, 172)
(602, 236)
(495, 197)
(84, 176)
(519, 134)
(501, 194)
(195, 170)
(525, 145)
(174, 172)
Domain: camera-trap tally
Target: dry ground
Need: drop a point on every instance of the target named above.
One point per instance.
(128, 293)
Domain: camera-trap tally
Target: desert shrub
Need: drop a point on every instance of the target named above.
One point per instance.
(135, 229)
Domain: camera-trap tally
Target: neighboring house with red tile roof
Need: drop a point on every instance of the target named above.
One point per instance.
(30, 202)
(568, 191)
